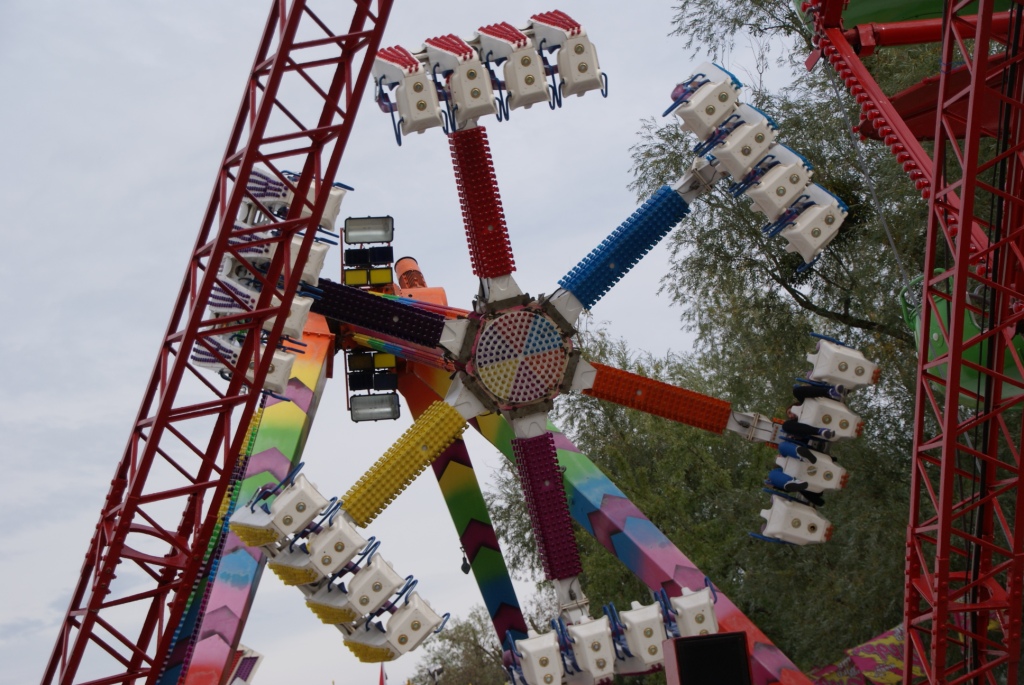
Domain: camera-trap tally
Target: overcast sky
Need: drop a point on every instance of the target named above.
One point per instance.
(113, 119)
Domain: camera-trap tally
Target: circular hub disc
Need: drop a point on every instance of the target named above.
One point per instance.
(521, 357)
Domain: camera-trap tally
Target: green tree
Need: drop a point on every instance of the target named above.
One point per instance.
(467, 650)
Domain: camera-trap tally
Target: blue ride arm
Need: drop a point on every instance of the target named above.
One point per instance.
(606, 264)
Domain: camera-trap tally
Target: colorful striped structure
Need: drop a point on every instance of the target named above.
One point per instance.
(205, 649)
(468, 510)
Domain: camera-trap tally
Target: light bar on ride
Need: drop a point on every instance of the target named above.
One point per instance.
(606, 264)
(437, 428)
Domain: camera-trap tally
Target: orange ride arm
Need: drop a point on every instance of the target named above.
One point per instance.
(659, 399)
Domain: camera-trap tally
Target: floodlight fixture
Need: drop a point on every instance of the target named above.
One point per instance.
(380, 407)
(369, 229)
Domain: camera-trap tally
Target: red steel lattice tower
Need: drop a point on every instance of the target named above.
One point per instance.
(965, 538)
(965, 541)
(159, 514)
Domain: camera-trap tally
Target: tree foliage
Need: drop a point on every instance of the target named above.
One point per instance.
(468, 651)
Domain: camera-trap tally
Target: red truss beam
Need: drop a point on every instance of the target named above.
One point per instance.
(965, 541)
(159, 514)
(866, 37)
(877, 110)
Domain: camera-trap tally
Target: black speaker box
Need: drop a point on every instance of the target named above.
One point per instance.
(720, 659)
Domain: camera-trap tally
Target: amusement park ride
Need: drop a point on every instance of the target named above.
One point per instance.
(209, 489)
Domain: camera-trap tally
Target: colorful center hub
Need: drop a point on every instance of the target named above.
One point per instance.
(521, 357)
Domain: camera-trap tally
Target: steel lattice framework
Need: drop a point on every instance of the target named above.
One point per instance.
(150, 544)
(965, 539)
(965, 542)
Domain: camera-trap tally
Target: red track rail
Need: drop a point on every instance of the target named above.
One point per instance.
(879, 110)
(162, 505)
